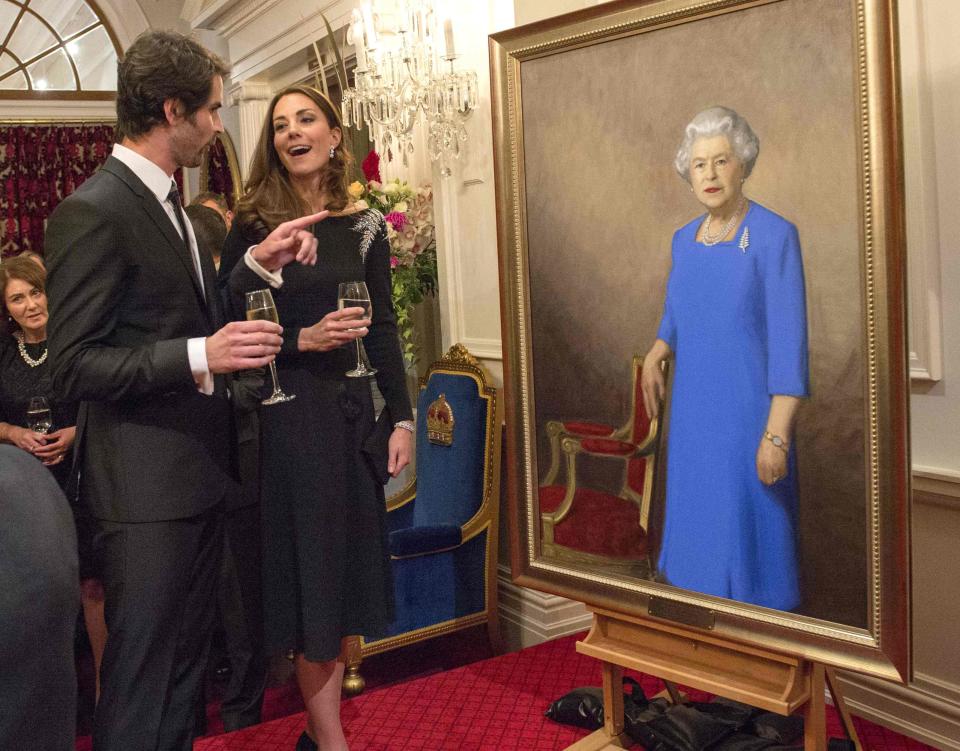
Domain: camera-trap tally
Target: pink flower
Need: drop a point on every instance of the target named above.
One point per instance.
(394, 262)
(396, 220)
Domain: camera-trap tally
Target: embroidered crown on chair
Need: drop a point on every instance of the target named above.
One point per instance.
(440, 422)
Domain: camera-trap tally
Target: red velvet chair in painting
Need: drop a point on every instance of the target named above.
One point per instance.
(594, 526)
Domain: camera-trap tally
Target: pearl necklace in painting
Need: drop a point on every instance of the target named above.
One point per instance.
(709, 239)
(26, 357)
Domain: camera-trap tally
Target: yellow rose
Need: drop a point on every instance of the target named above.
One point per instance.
(355, 190)
(400, 207)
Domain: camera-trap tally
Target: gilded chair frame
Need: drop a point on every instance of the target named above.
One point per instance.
(571, 445)
(556, 430)
(458, 361)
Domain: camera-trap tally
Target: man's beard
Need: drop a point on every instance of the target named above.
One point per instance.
(185, 151)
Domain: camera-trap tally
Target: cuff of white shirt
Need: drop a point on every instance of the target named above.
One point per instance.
(197, 354)
(273, 278)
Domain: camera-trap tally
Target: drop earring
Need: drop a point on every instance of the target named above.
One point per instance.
(333, 153)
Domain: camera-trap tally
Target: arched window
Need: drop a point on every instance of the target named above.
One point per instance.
(51, 47)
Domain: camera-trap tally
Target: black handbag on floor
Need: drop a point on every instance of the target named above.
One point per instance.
(583, 707)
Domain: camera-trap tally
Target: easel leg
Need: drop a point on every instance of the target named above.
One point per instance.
(612, 699)
(841, 706)
(814, 713)
(611, 735)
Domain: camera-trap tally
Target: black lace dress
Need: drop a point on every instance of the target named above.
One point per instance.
(325, 558)
(19, 382)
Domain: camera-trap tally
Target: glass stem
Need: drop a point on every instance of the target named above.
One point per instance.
(273, 375)
(360, 367)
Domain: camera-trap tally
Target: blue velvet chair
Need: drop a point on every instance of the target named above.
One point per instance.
(443, 525)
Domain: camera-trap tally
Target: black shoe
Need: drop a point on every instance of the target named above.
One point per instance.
(305, 743)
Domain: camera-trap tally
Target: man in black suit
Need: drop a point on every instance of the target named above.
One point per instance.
(39, 599)
(136, 335)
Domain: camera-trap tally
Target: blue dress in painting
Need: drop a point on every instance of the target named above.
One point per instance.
(735, 318)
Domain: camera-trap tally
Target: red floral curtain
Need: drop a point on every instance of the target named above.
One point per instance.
(39, 166)
(219, 179)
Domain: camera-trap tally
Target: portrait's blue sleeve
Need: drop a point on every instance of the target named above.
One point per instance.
(668, 326)
(786, 314)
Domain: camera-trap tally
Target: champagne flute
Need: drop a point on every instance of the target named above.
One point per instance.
(39, 418)
(355, 295)
(260, 307)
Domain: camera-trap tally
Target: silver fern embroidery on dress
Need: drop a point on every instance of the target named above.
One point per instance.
(368, 224)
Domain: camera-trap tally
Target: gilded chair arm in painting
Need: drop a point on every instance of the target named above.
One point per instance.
(570, 447)
(554, 432)
(559, 429)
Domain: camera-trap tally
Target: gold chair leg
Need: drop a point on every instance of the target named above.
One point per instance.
(493, 632)
(352, 650)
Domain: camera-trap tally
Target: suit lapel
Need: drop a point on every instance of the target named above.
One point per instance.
(160, 218)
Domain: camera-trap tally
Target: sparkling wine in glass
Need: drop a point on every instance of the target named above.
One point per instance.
(260, 307)
(39, 418)
(355, 295)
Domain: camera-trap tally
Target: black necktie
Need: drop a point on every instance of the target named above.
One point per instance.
(173, 198)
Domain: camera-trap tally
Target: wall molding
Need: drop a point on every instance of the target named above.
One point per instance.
(529, 617)
(937, 486)
(924, 327)
(485, 349)
(918, 710)
(264, 33)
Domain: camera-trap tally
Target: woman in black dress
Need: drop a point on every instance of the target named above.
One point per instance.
(325, 561)
(25, 373)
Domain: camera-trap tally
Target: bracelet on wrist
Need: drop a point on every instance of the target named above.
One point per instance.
(407, 425)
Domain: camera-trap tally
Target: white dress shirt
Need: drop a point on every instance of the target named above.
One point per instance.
(158, 182)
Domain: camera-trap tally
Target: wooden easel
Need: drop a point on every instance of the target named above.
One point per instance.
(769, 680)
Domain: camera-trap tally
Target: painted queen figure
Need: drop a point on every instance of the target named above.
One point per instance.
(734, 318)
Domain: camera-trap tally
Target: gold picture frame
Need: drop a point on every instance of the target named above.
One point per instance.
(588, 109)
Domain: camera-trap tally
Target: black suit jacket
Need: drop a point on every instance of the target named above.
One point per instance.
(39, 599)
(123, 300)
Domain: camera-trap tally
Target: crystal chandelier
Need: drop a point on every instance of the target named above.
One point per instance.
(405, 74)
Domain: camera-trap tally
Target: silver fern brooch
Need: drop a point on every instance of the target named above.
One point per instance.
(744, 240)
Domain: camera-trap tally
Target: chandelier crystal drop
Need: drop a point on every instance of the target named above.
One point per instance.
(405, 75)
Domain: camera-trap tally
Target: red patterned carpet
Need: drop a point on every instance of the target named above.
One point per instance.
(491, 705)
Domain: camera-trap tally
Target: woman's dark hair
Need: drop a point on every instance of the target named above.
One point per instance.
(22, 268)
(270, 198)
(158, 66)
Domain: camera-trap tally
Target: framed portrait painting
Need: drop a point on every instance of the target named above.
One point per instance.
(701, 234)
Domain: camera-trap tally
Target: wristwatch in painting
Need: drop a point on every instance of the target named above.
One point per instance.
(776, 441)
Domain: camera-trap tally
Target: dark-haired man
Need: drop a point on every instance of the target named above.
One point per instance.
(137, 336)
(239, 601)
(217, 202)
(209, 228)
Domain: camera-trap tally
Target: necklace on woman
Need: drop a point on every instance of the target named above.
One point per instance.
(26, 357)
(708, 239)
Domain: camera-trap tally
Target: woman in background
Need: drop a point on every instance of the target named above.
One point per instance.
(25, 373)
(325, 560)
(735, 320)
